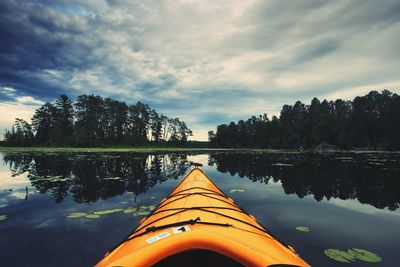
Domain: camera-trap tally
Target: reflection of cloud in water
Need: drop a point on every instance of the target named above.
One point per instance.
(9, 182)
(20, 194)
(359, 207)
(203, 159)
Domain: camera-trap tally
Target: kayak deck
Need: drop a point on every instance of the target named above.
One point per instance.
(197, 218)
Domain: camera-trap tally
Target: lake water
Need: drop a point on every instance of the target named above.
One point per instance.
(347, 200)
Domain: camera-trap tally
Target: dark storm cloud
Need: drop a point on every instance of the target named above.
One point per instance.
(204, 61)
(36, 38)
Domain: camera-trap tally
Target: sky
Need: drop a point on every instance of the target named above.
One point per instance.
(206, 62)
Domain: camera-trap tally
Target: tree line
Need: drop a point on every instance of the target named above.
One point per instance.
(89, 178)
(341, 176)
(370, 121)
(92, 120)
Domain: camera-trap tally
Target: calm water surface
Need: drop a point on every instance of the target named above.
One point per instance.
(346, 199)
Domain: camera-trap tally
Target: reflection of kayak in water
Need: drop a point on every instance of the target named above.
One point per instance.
(198, 225)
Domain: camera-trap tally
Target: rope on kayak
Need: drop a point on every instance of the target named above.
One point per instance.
(181, 210)
(192, 222)
(198, 207)
(198, 187)
(163, 204)
(211, 192)
(165, 226)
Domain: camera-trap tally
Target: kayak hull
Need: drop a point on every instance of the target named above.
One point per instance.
(197, 215)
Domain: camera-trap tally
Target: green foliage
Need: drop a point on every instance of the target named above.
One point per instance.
(236, 190)
(364, 255)
(94, 121)
(76, 215)
(352, 255)
(370, 121)
(339, 255)
(303, 229)
(130, 210)
(92, 216)
(20, 135)
(143, 213)
(102, 212)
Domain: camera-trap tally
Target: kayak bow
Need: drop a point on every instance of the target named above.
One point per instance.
(197, 224)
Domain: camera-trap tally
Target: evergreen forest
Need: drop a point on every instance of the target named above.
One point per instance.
(368, 122)
(95, 121)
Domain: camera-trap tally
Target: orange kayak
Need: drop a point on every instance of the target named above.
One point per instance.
(198, 225)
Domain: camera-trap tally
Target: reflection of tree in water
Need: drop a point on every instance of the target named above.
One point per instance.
(18, 163)
(89, 178)
(331, 176)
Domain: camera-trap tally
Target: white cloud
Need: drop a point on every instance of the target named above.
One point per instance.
(28, 100)
(10, 111)
(350, 93)
(8, 90)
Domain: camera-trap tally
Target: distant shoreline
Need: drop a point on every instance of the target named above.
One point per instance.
(170, 149)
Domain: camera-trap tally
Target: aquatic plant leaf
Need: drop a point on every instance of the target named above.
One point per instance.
(130, 210)
(339, 255)
(152, 207)
(3, 217)
(56, 180)
(102, 212)
(143, 208)
(303, 229)
(143, 213)
(92, 216)
(282, 164)
(112, 178)
(364, 255)
(76, 215)
(236, 190)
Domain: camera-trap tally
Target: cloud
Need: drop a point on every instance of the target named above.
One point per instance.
(28, 100)
(10, 111)
(8, 90)
(208, 62)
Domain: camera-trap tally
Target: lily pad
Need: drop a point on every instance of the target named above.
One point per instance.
(152, 207)
(236, 190)
(130, 210)
(102, 212)
(282, 164)
(339, 255)
(3, 218)
(76, 215)
(92, 216)
(143, 213)
(112, 178)
(303, 229)
(364, 255)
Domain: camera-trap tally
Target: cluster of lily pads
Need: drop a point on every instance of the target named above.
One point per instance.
(141, 210)
(53, 179)
(351, 255)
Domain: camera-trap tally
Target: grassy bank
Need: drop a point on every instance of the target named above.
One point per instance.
(101, 149)
(147, 149)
